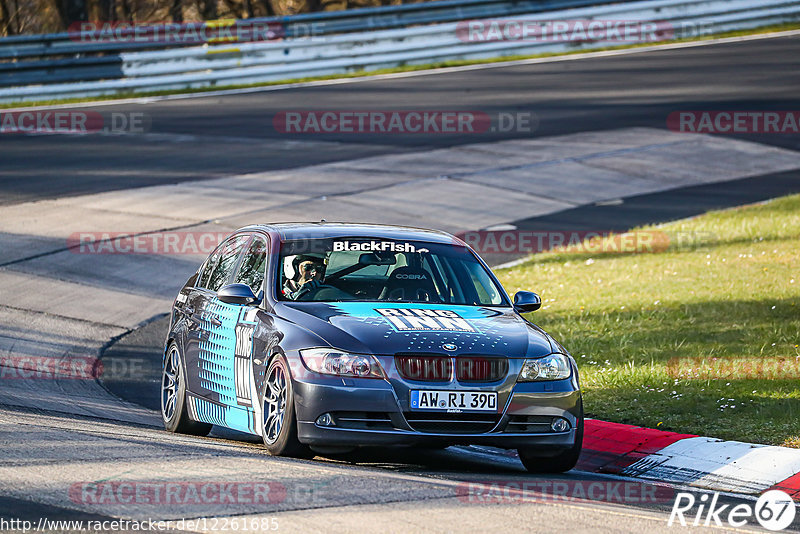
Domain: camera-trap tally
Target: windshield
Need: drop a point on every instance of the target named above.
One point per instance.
(376, 269)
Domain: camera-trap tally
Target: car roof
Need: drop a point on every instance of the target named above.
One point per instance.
(323, 230)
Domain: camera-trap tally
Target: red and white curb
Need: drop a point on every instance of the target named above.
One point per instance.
(689, 460)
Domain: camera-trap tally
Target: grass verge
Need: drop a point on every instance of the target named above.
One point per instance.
(698, 339)
(394, 70)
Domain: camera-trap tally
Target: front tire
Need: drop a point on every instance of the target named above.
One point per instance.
(173, 397)
(562, 462)
(279, 429)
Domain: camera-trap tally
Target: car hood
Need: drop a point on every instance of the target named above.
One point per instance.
(391, 328)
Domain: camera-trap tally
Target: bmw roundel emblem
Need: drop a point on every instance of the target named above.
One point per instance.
(449, 347)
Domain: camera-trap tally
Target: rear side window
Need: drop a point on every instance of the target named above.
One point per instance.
(253, 267)
(221, 263)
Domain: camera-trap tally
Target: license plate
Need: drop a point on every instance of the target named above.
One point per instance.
(475, 401)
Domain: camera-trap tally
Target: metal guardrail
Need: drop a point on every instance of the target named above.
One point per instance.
(91, 55)
(332, 50)
(295, 26)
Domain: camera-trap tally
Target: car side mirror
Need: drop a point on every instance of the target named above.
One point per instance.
(527, 301)
(237, 294)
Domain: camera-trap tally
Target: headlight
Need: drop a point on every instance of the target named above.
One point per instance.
(338, 363)
(553, 367)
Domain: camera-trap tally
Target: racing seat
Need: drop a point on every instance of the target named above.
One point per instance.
(410, 284)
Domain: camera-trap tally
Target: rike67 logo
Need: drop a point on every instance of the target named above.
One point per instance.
(774, 510)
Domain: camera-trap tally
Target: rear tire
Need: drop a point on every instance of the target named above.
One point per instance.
(562, 462)
(173, 397)
(279, 429)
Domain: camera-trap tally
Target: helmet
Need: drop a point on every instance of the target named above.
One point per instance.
(318, 259)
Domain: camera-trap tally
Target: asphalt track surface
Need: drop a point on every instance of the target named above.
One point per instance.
(197, 138)
(458, 464)
(202, 138)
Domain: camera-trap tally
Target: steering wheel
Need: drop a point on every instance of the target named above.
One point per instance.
(310, 289)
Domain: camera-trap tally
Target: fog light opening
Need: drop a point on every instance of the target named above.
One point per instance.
(559, 425)
(325, 420)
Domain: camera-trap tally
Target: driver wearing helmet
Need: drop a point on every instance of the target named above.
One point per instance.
(309, 273)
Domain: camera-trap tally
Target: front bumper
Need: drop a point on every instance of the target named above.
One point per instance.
(376, 413)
